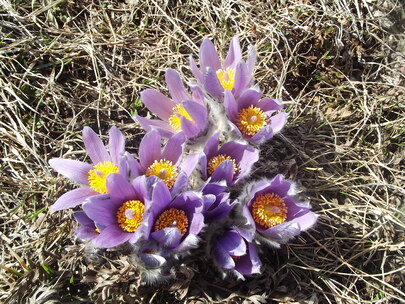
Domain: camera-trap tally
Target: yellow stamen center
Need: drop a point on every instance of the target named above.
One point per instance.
(175, 119)
(214, 162)
(172, 218)
(269, 210)
(251, 120)
(129, 215)
(226, 78)
(165, 170)
(98, 176)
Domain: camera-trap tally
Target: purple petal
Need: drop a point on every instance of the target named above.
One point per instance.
(278, 121)
(73, 198)
(175, 86)
(163, 127)
(233, 243)
(222, 257)
(141, 189)
(234, 54)
(119, 187)
(112, 236)
(149, 149)
(116, 144)
(180, 184)
(196, 72)
(196, 224)
(263, 135)
(189, 163)
(233, 149)
(189, 128)
(209, 56)
(242, 78)
(174, 148)
(86, 232)
(211, 147)
(248, 98)
(152, 260)
(82, 218)
(198, 94)
(197, 112)
(306, 221)
(212, 84)
(282, 232)
(94, 146)
(168, 237)
(231, 107)
(160, 197)
(250, 157)
(277, 185)
(224, 171)
(203, 166)
(268, 104)
(73, 169)
(102, 210)
(189, 242)
(249, 263)
(158, 103)
(129, 167)
(251, 59)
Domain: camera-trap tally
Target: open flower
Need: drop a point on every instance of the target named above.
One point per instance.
(235, 253)
(272, 211)
(122, 212)
(168, 164)
(252, 118)
(231, 162)
(87, 228)
(92, 177)
(175, 223)
(234, 74)
(184, 112)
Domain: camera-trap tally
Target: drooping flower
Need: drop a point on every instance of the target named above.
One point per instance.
(231, 162)
(87, 228)
(251, 117)
(175, 223)
(122, 212)
(271, 209)
(233, 251)
(217, 203)
(92, 177)
(167, 164)
(234, 74)
(184, 112)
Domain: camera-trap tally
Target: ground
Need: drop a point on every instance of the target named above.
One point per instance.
(337, 65)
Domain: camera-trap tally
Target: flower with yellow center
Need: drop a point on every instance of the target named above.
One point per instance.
(214, 162)
(165, 170)
(226, 78)
(251, 120)
(175, 119)
(129, 215)
(98, 176)
(269, 210)
(172, 218)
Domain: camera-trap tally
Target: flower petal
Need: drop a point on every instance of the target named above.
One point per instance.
(189, 163)
(175, 86)
(209, 56)
(112, 236)
(163, 127)
(282, 232)
(224, 171)
(116, 144)
(189, 128)
(234, 54)
(249, 263)
(222, 257)
(120, 188)
(180, 184)
(161, 197)
(211, 147)
(73, 198)
(268, 104)
(278, 121)
(174, 148)
(196, 72)
(306, 221)
(242, 78)
(212, 84)
(231, 106)
(102, 209)
(249, 98)
(197, 112)
(168, 237)
(94, 146)
(73, 169)
(158, 103)
(149, 149)
(251, 59)
(233, 243)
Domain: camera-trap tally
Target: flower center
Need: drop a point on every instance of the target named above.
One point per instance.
(172, 218)
(251, 120)
(98, 176)
(129, 215)
(269, 210)
(175, 118)
(165, 170)
(214, 162)
(226, 78)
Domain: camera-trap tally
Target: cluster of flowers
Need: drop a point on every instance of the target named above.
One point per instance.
(165, 201)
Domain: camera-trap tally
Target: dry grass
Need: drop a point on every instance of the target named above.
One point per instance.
(338, 64)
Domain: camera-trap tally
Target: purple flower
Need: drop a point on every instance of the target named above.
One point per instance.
(122, 212)
(87, 228)
(92, 177)
(231, 162)
(184, 112)
(175, 224)
(233, 251)
(251, 117)
(272, 211)
(167, 164)
(217, 204)
(234, 74)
